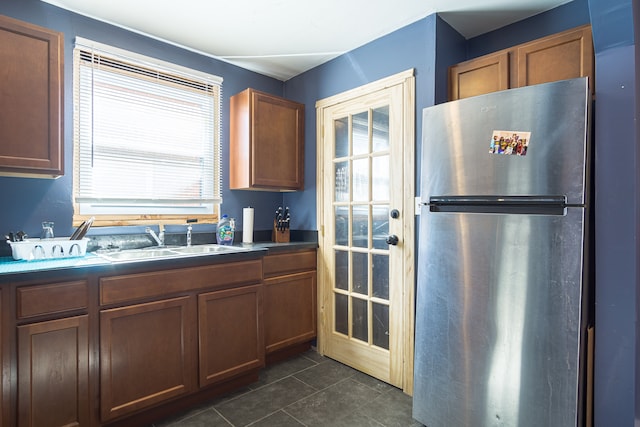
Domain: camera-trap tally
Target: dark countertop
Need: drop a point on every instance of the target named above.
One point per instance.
(10, 266)
(281, 247)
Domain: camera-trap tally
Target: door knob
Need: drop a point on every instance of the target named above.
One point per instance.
(392, 240)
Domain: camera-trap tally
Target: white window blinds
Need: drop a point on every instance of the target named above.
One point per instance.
(147, 134)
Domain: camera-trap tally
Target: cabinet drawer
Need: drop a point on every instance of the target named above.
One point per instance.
(51, 299)
(131, 287)
(287, 263)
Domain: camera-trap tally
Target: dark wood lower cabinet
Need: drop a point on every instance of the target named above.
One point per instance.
(53, 373)
(230, 333)
(289, 303)
(129, 345)
(146, 355)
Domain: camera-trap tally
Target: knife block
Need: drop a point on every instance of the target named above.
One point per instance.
(279, 236)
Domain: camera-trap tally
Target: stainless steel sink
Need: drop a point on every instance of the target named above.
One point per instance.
(150, 254)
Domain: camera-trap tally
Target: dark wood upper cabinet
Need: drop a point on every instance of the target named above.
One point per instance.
(31, 100)
(266, 142)
(561, 56)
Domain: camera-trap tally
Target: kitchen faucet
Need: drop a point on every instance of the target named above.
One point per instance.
(158, 238)
(189, 228)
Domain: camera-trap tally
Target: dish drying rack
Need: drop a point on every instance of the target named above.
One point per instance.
(54, 248)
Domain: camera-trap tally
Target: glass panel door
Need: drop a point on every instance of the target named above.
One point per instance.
(361, 217)
(366, 267)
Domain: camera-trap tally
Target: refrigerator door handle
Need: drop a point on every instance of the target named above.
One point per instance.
(542, 205)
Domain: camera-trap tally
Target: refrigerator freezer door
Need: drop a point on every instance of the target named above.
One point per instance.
(498, 319)
(546, 157)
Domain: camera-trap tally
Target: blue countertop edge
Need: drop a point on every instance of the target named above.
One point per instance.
(10, 266)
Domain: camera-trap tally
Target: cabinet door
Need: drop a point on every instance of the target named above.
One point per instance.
(486, 74)
(278, 138)
(266, 142)
(146, 355)
(563, 56)
(31, 77)
(230, 333)
(53, 373)
(290, 310)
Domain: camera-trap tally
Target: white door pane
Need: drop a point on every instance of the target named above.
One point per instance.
(341, 130)
(361, 180)
(360, 133)
(381, 129)
(380, 178)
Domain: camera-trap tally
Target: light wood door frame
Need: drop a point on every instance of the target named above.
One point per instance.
(407, 80)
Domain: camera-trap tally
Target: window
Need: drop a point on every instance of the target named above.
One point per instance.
(146, 138)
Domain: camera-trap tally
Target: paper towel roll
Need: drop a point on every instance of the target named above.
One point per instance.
(247, 225)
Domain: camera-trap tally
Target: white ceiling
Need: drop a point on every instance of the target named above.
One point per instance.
(283, 38)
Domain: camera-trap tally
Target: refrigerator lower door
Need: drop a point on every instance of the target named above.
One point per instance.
(498, 319)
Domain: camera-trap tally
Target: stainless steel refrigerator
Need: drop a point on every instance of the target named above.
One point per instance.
(501, 306)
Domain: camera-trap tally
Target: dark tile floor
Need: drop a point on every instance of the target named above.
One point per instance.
(308, 390)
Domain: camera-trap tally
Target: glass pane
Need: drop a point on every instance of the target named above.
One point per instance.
(380, 178)
(341, 129)
(361, 133)
(380, 276)
(342, 314)
(342, 181)
(342, 225)
(360, 226)
(360, 273)
(381, 325)
(360, 323)
(342, 270)
(361, 180)
(381, 128)
(380, 226)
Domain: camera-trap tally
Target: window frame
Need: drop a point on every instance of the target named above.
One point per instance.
(144, 62)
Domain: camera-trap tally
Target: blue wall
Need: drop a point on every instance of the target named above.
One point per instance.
(567, 16)
(616, 203)
(26, 201)
(413, 46)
